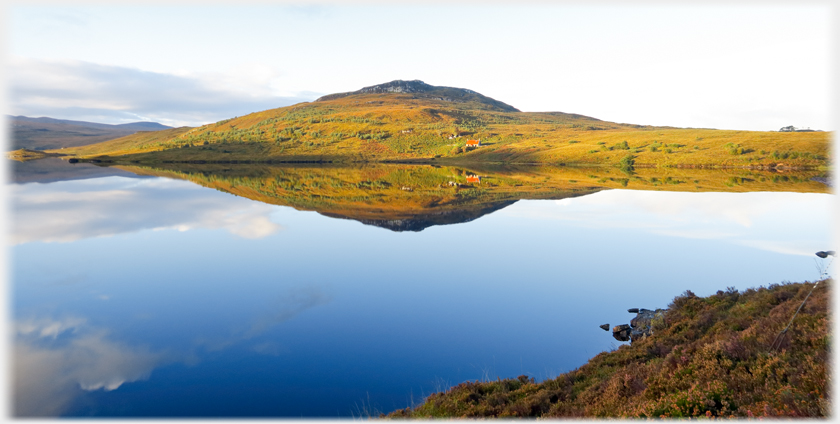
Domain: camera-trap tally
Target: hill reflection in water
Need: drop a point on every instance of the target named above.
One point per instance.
(157, 297)
(415, 197)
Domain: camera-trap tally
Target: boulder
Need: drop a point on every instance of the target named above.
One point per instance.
(640, 327)
(622, 332)
(605, 327)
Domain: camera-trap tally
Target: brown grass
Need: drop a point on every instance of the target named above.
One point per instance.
(377, 127)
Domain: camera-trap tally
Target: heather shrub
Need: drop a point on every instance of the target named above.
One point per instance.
(710, 356)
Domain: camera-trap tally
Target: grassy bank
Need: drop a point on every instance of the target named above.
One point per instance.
(712, 357)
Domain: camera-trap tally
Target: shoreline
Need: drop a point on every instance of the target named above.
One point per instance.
(724, 355)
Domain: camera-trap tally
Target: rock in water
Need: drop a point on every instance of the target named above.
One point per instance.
(605, 327)
(633, 310)
(622, 332)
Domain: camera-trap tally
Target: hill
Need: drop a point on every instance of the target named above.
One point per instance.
(709, 357)
(48, 133)
(410, 121)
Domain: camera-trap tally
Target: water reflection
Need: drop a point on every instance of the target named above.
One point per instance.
(413, 198)
(267, 310)
(58, 361)
(48, 170)
(115, 205)
(395, 197)
(760, 220)
(279, 309)
(55, 360)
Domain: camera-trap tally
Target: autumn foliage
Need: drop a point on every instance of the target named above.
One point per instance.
(383, 127)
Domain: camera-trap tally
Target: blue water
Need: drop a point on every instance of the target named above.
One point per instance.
(160, 298)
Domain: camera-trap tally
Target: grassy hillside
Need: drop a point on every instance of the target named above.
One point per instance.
(149, 141)
(377, 127)
(711, 357)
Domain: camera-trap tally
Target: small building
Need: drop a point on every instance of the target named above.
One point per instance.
(473, 143)
(473, 179)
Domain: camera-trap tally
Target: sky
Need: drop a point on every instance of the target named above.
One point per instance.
(749, 66)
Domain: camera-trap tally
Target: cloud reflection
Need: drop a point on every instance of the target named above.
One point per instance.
(287, 307)
(73, 210)
(282, 308)
(55, 361)
(780, 222)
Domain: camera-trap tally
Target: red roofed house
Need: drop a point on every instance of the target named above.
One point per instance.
(473, 143)
(473, 179)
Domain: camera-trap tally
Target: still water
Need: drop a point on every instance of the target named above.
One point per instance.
(158, 297)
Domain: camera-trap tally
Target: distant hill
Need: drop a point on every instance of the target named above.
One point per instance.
(411, 121)
(421, 90)
(48, 133)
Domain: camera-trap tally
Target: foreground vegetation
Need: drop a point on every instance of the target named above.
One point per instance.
(405, 127)
(711, 357)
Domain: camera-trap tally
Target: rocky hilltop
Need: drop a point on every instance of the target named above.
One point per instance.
(420, 89)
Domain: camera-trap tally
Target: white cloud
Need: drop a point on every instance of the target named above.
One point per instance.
(685, 65)
(63, 212)
(71, 89)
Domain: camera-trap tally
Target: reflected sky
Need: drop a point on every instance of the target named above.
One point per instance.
(160, 298)
(778, 222)
(115, 205)
(55, 361)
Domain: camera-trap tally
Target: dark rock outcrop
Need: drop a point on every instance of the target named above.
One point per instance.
(420, 89)
(640, 326)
